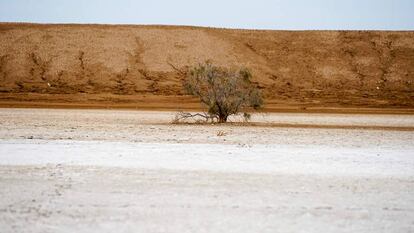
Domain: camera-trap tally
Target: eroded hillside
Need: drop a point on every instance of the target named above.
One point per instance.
(310, 68)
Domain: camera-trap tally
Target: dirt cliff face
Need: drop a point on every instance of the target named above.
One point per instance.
(340, 68)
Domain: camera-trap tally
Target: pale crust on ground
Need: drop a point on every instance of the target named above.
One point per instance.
(65, 198)
(126, 171)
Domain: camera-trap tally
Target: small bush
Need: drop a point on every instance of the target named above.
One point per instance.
(223, 91)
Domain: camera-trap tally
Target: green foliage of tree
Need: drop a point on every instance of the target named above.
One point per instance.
(224, 92)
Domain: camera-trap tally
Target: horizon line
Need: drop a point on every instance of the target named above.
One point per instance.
(195, 26)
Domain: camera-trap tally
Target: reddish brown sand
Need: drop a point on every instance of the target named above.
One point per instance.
(103, 66)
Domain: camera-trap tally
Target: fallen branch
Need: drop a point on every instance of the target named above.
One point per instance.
(182, 116)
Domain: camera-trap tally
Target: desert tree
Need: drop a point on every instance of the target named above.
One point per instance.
(224, 92)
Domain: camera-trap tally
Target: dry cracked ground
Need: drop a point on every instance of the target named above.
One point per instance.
(132, 171)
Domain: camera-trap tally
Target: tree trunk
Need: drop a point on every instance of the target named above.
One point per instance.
(221, 114)
(222, 118)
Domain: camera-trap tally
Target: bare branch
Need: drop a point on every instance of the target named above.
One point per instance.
(182, 116)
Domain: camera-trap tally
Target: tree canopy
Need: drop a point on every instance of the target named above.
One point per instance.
(223, 91)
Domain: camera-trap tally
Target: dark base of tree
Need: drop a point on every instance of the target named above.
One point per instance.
(222, 119)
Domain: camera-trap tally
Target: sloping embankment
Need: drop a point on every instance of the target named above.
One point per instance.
(116, 66)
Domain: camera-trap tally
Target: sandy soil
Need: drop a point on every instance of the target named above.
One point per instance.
(118, 64)
(131, 171)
